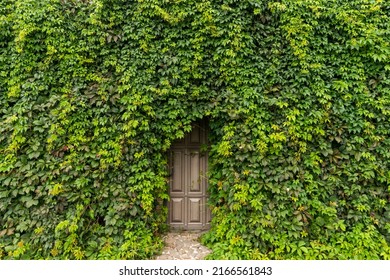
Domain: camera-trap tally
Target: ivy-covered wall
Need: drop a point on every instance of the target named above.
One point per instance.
(93, 92)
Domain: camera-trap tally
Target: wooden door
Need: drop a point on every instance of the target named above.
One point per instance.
(188, 208)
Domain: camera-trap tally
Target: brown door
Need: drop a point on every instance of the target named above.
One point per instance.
(188, 208)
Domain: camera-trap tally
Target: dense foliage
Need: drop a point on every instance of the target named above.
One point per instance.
(93, 92)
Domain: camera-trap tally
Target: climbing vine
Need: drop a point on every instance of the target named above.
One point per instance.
(93, 92)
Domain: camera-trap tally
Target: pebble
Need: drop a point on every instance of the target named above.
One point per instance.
(183, 246)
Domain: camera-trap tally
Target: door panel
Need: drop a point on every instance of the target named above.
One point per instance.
(194, 168)
(194, 210)
(195, 135)
(177, 171)
(188, 184)
(177, 212)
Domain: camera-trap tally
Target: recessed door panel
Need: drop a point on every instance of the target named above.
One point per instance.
(178, 171)
(177, 210)
(194, 208)
(194, 169)
(195, 135)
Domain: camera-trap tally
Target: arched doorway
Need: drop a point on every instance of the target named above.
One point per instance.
(188, 209)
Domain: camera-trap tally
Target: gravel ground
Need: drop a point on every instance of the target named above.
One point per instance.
(183, 246)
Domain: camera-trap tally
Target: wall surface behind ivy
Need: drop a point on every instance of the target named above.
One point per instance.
(93, 92)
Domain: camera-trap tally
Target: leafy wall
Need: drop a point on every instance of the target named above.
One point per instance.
(93, 92)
